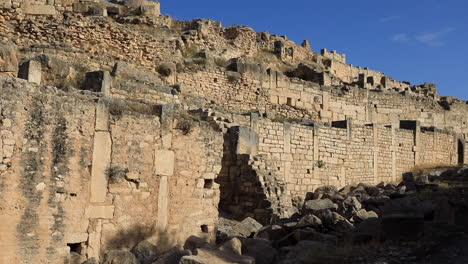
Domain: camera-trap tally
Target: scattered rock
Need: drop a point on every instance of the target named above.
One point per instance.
(234, 246)
(314, 206)
(119, 256)
(145, 252)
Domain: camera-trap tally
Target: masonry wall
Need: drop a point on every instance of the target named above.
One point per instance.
(306, 157)
(74, 173)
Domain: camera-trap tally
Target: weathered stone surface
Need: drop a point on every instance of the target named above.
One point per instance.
(100, 211)
(233, 246)
(145, 252)
(309, 220)
(194, 242)
(261, 250)
(8, 58)
(164, 162)
(118, 256)
(101, 163)
(313, 206)
(31, 71)
(73, 238)
(172, 256)
(208, 256)
(38, 9)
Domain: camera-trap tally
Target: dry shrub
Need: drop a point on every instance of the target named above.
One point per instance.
(116, 174)
(186, 122)
(119, 107)
(424, 168)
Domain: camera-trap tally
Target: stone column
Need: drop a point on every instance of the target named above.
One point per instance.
(102, 151)
(376, 152)
(417, 139)
(254, 119)
(164, 166)
(287, 150)
(316, 172)
(393, 149)
(102, 148)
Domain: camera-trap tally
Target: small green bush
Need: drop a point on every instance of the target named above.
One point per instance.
(320, 164)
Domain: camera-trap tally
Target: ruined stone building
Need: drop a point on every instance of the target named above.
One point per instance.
(118, 122)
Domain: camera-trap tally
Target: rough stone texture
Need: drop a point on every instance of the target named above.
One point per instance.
(58, 144)
(101, 164)
(8, 59)
(164, 162)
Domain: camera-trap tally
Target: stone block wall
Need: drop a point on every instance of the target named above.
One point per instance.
(76, 176)
(39, 7)
(306, 157)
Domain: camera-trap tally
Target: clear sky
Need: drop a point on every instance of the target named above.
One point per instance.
(410, 40)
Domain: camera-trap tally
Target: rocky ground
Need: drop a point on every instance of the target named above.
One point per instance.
(421, 220)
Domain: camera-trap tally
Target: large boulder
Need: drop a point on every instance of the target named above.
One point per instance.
(349, 206)
(210, 256)
(321, 191)
(314, 206)
(194, 242)
(228, 229)
(362, 215)
(271, 232)
(145, 252)
(233, 246)
(309, 220)
(119, 257)
(173, 256)
(261, 250)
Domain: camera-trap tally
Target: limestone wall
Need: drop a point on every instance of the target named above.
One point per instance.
(38, 7)
(77, 174)
(306, 157)
(273, 92)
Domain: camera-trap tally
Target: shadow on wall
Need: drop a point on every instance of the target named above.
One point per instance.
(131, 237)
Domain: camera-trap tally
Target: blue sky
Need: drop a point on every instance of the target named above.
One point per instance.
(412, 40)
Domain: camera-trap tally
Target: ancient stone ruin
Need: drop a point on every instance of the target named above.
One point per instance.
(126, 134)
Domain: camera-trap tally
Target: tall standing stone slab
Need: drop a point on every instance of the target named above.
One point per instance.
(101, 162)
(164, 162)
(163, 204)
(102, 115)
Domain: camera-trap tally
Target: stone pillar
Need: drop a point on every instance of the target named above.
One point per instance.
(417, 139)
(325, 101)
(316, 172)
(349, 124)
(435, 146)
(287, 138)
(254, 118)
(393, 149)
(164, 168)
(101, 162)
(94, 239)
(31, 71)
(287, 150)
(164, 165)
(376, 153)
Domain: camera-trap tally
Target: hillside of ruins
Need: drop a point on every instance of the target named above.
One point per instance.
(127, 136)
